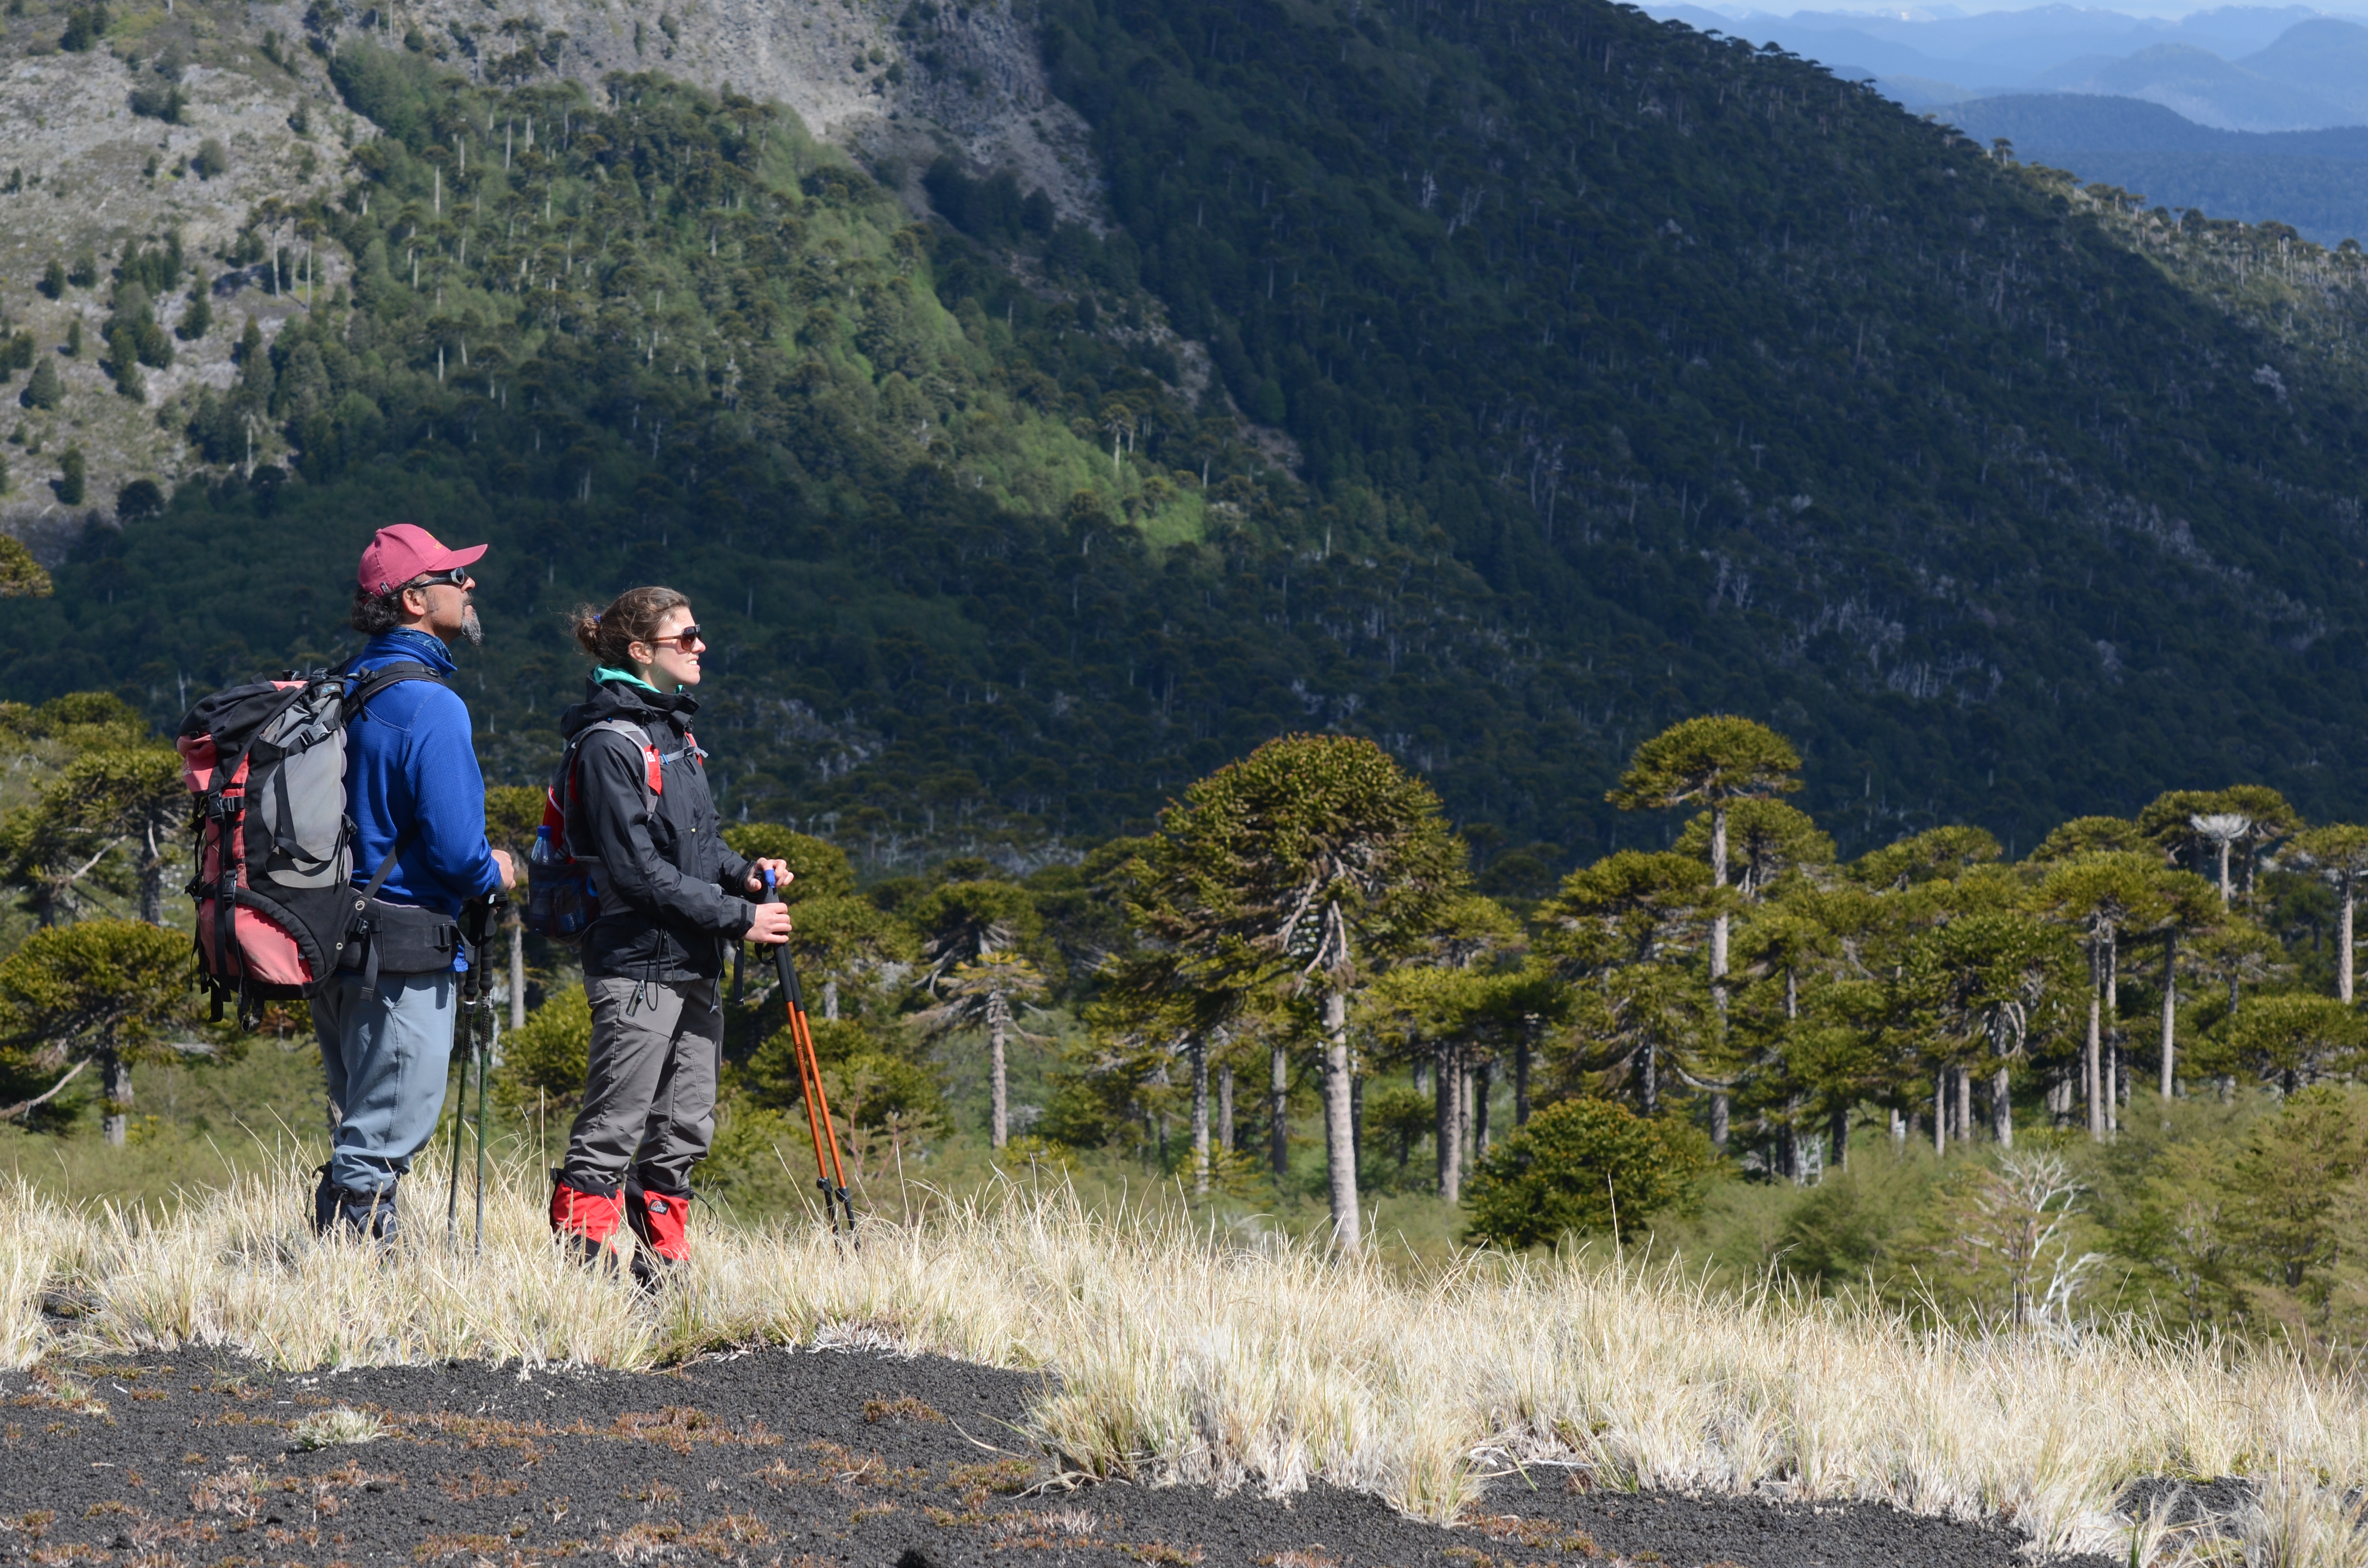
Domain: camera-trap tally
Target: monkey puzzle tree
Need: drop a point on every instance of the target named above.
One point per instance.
(973, 935)
(2187, 909)
(981, 993)
(1627, 928)
(2338, 853)
(2100, 895)
(1973, 989)
(1462, 1013)
(1720, 760)
(2223, 831)
(1311, 861)
(106, 798)
(1766, 840)
(1940, 854)
(2089, 836)
(1797, 959)
(2293, 1039)
(103, 992)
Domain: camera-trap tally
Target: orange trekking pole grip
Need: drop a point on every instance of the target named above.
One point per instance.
(829, 1175)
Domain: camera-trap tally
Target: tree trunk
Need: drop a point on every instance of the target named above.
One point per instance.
(518, 969)
(1941, 1113)
(1225, 1107)
(2225, 891)
(1445, 1133)
(1463, 1110)
(2170, 1003)
(1722, 1117)
(1838, 1157)
(115, 1085)
(1002, 1098)
(830, 1001)
(2001, 1109)
(1788, 1141)
(2092, 1045)
(2112, 1062)
(1483, 1076)
(2343, 943)
(1279, 1135)
(1199, 1049)
(1339, 1130)
(1652, 1087)
(1522, 1072)
(152, 884)
(1964, 1104)
(1718, 931)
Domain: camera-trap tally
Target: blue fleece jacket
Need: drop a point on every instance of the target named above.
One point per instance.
(410, 757)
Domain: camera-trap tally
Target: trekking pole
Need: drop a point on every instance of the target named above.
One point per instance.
(829, 1175)
(482, 1033)
(460, 1117)
(472, 1002)
(739, 952)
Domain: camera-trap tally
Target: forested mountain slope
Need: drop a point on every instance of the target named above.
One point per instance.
(1628, 372)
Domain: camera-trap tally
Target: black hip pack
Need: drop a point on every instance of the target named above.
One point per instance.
(397, 939)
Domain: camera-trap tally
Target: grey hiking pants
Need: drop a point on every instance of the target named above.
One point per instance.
(386, 1053)
(649, 1097)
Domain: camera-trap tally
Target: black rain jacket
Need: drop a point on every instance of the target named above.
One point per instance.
(669, 885)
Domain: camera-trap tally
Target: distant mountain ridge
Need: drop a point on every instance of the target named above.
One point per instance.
(2102, 124)
(2314, 180)
(2237, 68)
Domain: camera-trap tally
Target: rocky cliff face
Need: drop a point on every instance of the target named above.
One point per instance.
(900, 86)
(80, 168)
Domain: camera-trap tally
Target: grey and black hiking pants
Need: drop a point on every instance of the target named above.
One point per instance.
(649, 1097)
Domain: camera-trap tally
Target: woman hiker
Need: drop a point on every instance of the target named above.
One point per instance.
(672, 895)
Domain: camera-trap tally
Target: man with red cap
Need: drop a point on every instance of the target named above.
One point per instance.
(417, 801)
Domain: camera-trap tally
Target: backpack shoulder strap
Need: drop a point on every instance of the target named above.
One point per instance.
(652, 777)
(369, 683)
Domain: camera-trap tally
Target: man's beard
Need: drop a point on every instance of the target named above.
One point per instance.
(470, 628)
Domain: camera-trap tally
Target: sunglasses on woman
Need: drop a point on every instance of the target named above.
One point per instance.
(682, 638)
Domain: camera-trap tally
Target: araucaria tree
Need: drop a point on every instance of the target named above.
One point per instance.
(1311, 863)
(1717, 759)
(975, 936)
(98, 991)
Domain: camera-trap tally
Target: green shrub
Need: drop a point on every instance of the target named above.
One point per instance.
(1581, 1167)
(86, 25)
(44, 391)
(544, 1064)
(820, 867)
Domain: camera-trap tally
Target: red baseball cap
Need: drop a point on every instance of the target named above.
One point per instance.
(404, 551)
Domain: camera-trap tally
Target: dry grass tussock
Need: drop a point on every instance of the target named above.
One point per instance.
(1188, 1355)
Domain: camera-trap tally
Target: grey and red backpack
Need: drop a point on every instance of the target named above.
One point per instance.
(276, 908)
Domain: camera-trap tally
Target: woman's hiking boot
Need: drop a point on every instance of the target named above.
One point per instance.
(659, 1222)
(584, 1218)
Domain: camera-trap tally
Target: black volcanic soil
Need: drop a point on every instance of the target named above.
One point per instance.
(793, 1458)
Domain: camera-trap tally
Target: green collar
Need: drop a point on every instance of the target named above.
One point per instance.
(602, 675)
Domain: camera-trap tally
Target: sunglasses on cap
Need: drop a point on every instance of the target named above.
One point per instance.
(682, 638)
(457, 577)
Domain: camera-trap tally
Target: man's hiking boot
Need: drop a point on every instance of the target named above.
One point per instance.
(345, 1209)
(584, 1218)
(658, 1219)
